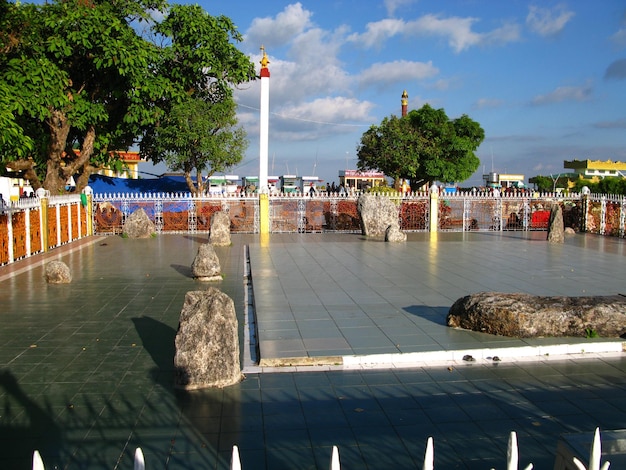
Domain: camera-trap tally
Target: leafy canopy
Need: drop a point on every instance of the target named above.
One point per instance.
(197, 135)
(78, 80)
(423, 146)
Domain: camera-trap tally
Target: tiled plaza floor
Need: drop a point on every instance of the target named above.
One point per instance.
(86, 368)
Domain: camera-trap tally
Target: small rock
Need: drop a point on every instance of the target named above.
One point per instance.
(220, 229)
(57, 272)
(206, 264)
(138, 225)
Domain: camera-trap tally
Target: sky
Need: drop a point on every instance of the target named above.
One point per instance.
(546, 80)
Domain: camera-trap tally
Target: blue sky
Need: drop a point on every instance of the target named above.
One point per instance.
(546, 80)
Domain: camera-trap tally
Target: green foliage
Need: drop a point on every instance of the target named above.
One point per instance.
(591, 333)
(78, 75)
(423, 146)
(197, 135)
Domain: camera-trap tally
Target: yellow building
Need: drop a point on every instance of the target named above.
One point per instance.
(595, 170)
(130, 160)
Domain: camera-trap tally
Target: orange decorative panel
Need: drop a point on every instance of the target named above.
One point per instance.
(75, 214)
(64, 218)
(19, 235)
(4, 239)
(52, 227)
(35, 231)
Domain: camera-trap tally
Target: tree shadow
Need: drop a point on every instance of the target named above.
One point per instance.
(25, 425)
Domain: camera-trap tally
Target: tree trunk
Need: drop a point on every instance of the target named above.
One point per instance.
(59, 129)
(27, 169)
(190, 183)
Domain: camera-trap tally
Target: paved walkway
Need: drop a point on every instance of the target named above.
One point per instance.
(86, 372)
(340, 300)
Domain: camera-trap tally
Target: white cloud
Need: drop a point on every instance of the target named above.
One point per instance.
(323, 116)
(393, 5)
(564, 93)
(397, 71)
(274, 32)
(484, 103)
(456, 30)
(379, 31)
(548, 22)
(616, 124)
(619, 38)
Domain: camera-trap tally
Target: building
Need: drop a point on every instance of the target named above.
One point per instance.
(130, 166)
(497, 180)
(355, 179)
(596, 170)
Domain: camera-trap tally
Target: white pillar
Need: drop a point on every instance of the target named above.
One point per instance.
(264, 124)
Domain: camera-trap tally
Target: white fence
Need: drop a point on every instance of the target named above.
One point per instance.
(562, 461)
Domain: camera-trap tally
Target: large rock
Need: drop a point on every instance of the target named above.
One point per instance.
(556, 229)
(377, 214)
(207, 342)
(220, 229)
(394, 234)
(206, 264)
(138, 225)
(57, 272)
(528, 316)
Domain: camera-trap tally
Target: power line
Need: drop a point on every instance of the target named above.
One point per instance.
(284, 116)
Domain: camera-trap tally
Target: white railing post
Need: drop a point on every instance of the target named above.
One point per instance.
(334, 460)
(429, 455)
(37, 461)
(595, 455)
(235, 462)
(140, 463)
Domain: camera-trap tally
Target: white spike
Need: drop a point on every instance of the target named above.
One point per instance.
(512, 455)
(429, 455)
(235, 462)
(334, 459)
(37, 461)
(140, 463)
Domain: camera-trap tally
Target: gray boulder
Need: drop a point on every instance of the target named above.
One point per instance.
(528, 316)
(556, 229)
(138, 225)
(394, 234)
(57, 272)
(220, 229)
(207, 342)
(377, 213)
(206, 264)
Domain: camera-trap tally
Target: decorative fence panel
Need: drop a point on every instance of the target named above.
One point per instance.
(174, 213)
(33, 225)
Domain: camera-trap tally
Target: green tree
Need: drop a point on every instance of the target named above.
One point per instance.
(81, 81)
(71, 69)
(423, 146)
(198, 130)
(197, 135)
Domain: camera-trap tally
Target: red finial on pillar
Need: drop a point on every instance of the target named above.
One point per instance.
(265, 72)
(405, 103)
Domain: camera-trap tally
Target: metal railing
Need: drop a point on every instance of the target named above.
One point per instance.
(34, 225)
(512, 457)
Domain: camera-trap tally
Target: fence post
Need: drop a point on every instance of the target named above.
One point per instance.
(264, 214)
(86, 199)
(434, 208)
(43, 199)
